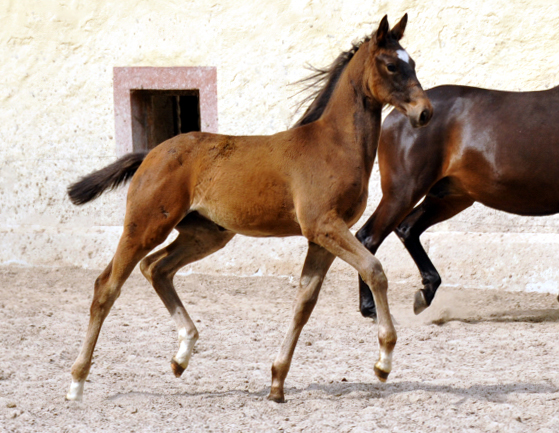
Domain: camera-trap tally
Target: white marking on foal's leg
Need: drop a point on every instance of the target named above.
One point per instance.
(76, 390)
(186, 345)
(385, 362)
(403, 55)
(185, 348)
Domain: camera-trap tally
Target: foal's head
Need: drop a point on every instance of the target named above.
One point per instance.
(389, 75)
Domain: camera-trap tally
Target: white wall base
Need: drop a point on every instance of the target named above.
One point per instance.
(505, 261)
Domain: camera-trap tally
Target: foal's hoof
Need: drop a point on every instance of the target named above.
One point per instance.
(276, 396)
(381, 374)
(72, 398)
(76, 391)
(419, 302)
(177, 369)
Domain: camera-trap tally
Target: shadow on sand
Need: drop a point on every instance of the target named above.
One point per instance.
(361, 390)
(526, 316)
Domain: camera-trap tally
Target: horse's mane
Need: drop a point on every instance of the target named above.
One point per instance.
(324, 81)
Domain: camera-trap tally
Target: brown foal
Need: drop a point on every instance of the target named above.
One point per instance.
(311, 180)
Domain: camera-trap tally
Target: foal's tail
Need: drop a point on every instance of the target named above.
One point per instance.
(93, 185)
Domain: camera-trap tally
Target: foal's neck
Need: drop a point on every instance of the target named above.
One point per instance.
(355, 118)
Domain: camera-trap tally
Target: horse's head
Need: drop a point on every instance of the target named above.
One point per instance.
(390, 74)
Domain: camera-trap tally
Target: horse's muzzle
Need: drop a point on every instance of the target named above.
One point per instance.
(420, 114)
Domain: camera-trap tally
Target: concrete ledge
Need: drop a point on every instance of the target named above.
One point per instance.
(505, 261)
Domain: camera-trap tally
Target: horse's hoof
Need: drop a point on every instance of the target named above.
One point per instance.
(419, 303)
(276, 396)
(177, 369)
(381, 374)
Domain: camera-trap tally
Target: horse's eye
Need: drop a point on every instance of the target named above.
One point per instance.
(391, 67)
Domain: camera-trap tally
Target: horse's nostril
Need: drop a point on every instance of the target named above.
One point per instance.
(424, 117)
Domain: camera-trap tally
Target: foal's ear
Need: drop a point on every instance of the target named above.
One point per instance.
(398, 30)
(382, 31)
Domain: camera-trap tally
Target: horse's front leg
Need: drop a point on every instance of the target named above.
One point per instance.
(316, 265)
(382, 222)
(333, 234)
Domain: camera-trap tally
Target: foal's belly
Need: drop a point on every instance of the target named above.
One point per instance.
(252, 219)
(260, 211)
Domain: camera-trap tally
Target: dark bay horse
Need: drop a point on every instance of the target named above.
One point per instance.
(500, 149)
(311, 180)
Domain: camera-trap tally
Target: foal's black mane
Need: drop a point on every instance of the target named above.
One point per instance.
(325, 78)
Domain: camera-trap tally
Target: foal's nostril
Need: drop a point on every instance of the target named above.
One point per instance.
(424, 117)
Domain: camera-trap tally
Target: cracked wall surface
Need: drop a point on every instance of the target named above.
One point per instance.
(57, 115)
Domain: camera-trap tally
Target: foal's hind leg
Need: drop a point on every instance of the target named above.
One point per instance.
(436, 207)
(129, 252)
(145, 227)
(198, 238)
(316, 265)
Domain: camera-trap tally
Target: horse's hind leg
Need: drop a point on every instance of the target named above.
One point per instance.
(198, 238)
(316, 265)
(390, 211)
(437, 207)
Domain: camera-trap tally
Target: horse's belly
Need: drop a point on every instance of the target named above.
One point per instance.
(515, 183)
(529, 200)
(526, 207)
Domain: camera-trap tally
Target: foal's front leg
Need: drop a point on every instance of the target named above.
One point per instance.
(316, 265)
(333, 234)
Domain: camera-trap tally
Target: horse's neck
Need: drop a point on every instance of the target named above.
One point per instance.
(355, 118)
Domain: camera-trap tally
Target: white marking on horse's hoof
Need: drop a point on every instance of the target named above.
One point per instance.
(76, 391)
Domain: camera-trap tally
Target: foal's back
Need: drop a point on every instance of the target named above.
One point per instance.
(499, 148)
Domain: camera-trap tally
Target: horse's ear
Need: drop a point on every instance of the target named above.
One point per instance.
(382, 31)
(398, 30)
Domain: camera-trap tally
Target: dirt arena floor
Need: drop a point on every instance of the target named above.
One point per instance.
(477, 361)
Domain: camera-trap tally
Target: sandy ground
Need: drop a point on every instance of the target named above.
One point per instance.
(477, 361)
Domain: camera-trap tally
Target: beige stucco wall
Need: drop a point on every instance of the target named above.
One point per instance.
(57, 119)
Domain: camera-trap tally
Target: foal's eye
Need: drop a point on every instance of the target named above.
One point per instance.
(391, 67)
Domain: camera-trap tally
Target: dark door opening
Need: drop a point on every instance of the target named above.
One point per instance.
(158, 115)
